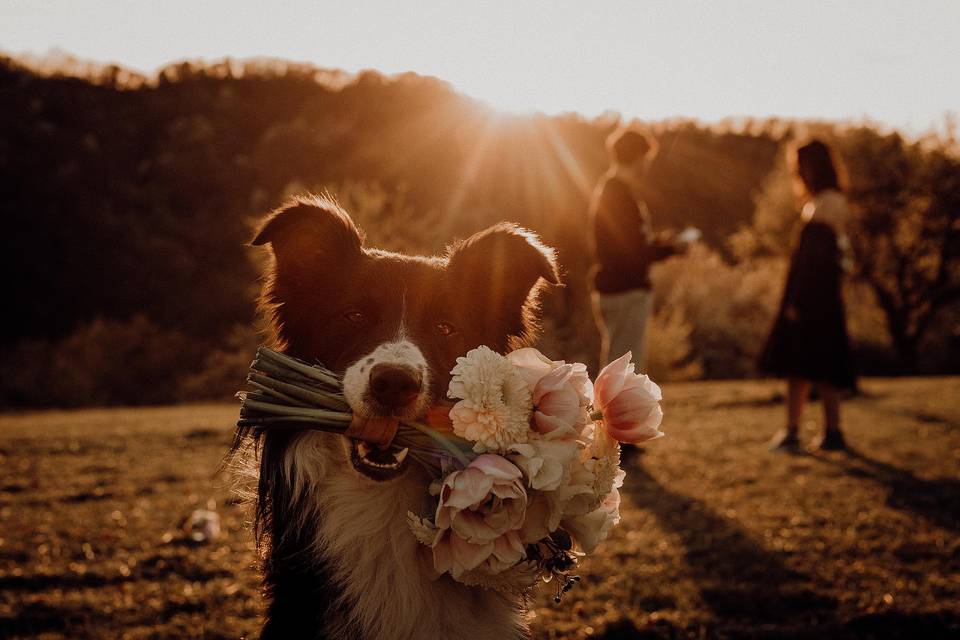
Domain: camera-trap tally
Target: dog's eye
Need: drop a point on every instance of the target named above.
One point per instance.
(446, 329)
(355, 317)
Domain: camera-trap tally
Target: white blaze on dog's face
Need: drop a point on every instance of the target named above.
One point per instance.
(394, 325)
(393, 379)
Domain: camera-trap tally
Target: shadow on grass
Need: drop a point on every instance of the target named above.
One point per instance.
(770, 400)
(751, 590)
(932, 419)
(83, 621)
(737, 577)
(154, 568)
(72, 620)
(935, 500)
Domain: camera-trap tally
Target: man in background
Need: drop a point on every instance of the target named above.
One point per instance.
(625, 248)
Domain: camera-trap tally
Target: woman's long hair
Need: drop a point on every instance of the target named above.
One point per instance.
(817, 166)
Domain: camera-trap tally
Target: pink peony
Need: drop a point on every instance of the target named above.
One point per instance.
(629, 402)
(479, 516)
(453, 554)
(560, 391)
(539, 520)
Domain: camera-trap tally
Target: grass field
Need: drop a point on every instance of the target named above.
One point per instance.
(719, 538)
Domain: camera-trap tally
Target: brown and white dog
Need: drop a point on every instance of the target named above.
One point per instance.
(339, 560)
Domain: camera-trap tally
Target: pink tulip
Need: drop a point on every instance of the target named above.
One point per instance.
(557, 405)
(559, 391)
(629, 402)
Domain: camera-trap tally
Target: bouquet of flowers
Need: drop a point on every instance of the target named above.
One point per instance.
(525, 460)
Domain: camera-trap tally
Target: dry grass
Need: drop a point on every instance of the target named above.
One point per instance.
(719, 538)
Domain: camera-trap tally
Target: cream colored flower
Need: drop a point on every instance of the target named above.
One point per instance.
(592, 528)
(594, 472)
(545, 463)
(602, 457)
(495, 403)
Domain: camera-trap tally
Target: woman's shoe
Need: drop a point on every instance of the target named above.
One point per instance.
(831, 440)
(785, 440)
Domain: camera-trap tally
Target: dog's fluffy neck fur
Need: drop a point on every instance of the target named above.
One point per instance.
(385, 580)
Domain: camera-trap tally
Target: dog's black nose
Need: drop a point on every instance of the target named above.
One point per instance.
(394, 386)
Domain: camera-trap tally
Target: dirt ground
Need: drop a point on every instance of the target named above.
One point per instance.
(719, 538)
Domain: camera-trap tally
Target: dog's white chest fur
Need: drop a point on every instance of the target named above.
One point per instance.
(388, 585)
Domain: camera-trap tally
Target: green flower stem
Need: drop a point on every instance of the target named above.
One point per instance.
(309, 396)
(307, 412)
(289, 394)
(309, 371)
(279, 395)
(448, 443)
(292, 422)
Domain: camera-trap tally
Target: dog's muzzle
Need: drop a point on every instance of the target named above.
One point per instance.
(395, 387)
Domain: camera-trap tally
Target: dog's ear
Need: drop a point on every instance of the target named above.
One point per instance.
(501, 270)
(308, 232)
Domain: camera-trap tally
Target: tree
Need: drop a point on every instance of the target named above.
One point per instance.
(906, 230)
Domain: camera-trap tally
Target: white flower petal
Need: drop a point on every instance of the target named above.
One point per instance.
(495, 402)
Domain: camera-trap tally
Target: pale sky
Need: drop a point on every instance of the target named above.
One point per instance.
(893, 62)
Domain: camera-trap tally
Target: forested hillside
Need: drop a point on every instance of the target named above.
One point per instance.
(127, 202)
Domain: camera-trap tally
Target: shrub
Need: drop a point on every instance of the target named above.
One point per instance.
(670, 351)
(223, 371)
(728, 308)
(102, 362)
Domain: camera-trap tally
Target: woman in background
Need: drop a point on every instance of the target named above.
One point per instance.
(809, 343)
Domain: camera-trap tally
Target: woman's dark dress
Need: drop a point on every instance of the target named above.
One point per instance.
(813, 345)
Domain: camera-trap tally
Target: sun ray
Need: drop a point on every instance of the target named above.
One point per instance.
(568, 160)
(472, 166)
